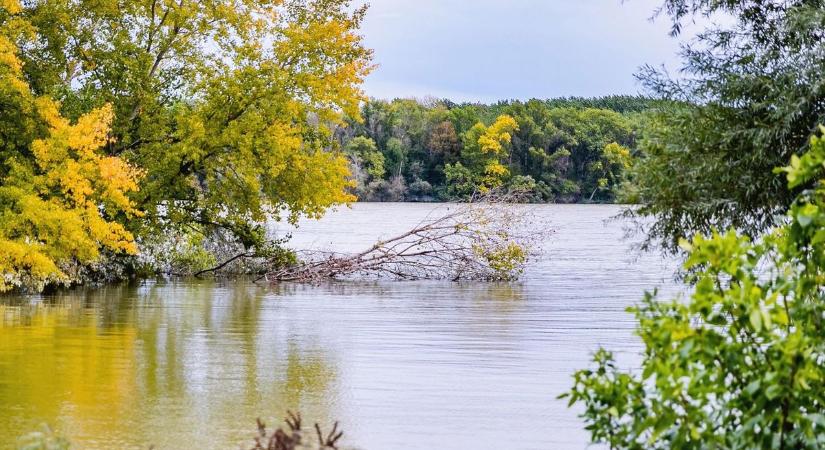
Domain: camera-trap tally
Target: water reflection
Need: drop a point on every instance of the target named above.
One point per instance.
(161, 364)
(192, 364)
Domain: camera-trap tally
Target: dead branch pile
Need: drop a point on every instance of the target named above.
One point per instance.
(490, 240)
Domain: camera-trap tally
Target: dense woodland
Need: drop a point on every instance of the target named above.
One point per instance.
(558, 150)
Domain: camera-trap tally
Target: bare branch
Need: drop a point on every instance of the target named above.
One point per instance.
(491, 239)
(224, 264)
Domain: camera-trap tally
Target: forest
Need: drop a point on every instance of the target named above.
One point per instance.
(561, 150)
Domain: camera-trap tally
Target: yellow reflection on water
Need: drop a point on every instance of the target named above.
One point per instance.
(162, 365)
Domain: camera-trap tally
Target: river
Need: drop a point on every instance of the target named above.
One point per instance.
(402, 365)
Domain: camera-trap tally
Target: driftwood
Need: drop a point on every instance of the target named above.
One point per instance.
(489, 240)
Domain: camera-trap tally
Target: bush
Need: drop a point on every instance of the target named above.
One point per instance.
(740, 363)
(420, 190)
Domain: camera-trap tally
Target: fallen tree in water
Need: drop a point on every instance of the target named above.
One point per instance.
(491, 240)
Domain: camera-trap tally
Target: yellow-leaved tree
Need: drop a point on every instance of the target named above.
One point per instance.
(228, 106)
(480, 168)
(59, 194)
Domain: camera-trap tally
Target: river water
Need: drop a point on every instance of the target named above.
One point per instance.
(402, 365)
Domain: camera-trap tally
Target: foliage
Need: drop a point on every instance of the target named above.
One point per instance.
(227, 105)
(615, 160)
(189, 255)
(366, 161)
(61, 199)
(196, 253)
(480, 168)
(622, 104)
(506, 260)
(750, 94)
(739, 364)
(558, 144)
(588, 134)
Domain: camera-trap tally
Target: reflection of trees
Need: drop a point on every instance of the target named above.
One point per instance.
(482, 300)
(304, 374)
(59, 373)
(161, 364)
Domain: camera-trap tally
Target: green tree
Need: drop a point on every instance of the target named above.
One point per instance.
(585, 133)
(367, 161)
(750, 97)
(395, 155)
(615, 160)
(739, 364)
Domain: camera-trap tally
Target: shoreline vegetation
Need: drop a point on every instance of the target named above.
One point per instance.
(164, 141)
(735, 178)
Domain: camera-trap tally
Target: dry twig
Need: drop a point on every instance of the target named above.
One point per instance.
(488, 240)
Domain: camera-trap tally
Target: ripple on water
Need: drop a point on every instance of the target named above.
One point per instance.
(402, 365)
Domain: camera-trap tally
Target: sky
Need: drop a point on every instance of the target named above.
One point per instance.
(488, 50)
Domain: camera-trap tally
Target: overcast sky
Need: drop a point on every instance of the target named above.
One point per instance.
(486, 50)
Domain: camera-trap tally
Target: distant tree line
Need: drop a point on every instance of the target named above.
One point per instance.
(557, 150)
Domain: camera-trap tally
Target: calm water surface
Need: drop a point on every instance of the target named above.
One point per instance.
(403, 365)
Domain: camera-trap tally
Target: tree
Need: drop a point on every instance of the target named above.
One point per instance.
(395, 155)
(585, 133)
(623, 104)
(430, 136)
(444, 147)
(367, 161)
(739, 364)
(750, 97)
(532, 118)
(444, 141)
(61, 198)
(614, 161)
(481, 169)
(486, 240)
(228, 106)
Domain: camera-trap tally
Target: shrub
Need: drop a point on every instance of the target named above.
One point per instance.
(740, 363)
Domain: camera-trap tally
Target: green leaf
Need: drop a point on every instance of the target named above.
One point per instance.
(806, 215)
(753, 387)
(773, 391)
(756, 319)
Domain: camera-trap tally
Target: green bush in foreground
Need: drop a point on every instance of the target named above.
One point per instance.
(741, 363)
